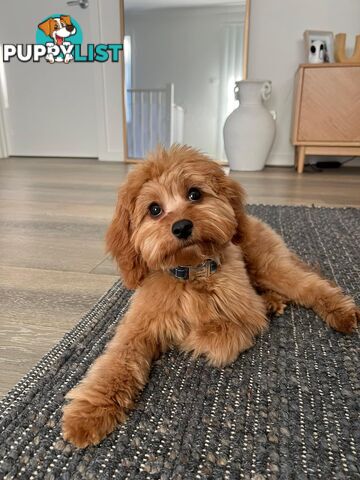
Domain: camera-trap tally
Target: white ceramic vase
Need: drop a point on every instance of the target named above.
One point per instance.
(249, 131)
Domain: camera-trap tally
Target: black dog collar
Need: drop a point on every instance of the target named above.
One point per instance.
(204, 270)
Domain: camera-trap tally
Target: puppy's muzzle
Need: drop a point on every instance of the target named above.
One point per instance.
(182, 229)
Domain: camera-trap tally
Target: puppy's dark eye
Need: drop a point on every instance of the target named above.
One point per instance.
(194, 194)
(155, 210)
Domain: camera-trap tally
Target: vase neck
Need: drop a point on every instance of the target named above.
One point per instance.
(250, 92)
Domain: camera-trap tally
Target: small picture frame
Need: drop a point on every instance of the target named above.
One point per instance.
(319, 46)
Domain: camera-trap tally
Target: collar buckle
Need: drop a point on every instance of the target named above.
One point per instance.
(204, 270)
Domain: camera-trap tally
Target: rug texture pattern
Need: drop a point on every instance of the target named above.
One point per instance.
(286, 409)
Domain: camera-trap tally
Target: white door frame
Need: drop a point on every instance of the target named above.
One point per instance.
(4, 151)
(106, 23)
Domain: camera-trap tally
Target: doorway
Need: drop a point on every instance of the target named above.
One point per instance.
(181, 71)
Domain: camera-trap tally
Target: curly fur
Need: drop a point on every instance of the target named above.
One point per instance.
(218, 317)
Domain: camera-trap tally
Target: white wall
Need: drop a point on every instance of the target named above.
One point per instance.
(183, 46)
(276, 49)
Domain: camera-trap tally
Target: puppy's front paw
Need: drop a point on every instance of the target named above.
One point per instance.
(344, 320)
(85, 424)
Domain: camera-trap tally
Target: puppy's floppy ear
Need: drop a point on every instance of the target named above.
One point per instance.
(236, 197)
(46, 26)
(66, 19)
(120, 244)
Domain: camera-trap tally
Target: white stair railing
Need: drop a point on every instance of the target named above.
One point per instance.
(151, 119)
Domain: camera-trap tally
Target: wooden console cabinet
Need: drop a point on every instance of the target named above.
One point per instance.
(326, 119)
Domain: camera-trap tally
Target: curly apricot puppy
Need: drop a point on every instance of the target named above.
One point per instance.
(205, 274)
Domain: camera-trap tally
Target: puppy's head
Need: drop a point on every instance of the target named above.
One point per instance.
(58, 28)
(177, 208)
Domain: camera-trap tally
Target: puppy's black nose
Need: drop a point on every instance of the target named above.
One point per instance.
(70, 28)
(182, 229)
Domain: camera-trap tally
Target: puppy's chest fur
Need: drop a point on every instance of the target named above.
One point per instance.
(181, 306)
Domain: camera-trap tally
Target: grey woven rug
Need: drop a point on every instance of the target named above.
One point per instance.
(287, 409)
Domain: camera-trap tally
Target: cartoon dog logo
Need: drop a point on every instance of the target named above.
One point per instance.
(58, 29)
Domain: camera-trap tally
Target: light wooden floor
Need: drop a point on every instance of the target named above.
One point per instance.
(53, 216)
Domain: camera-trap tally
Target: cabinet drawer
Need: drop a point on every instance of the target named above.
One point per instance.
(330, 105)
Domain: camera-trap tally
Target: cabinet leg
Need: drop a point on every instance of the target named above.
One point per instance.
(300, 159)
